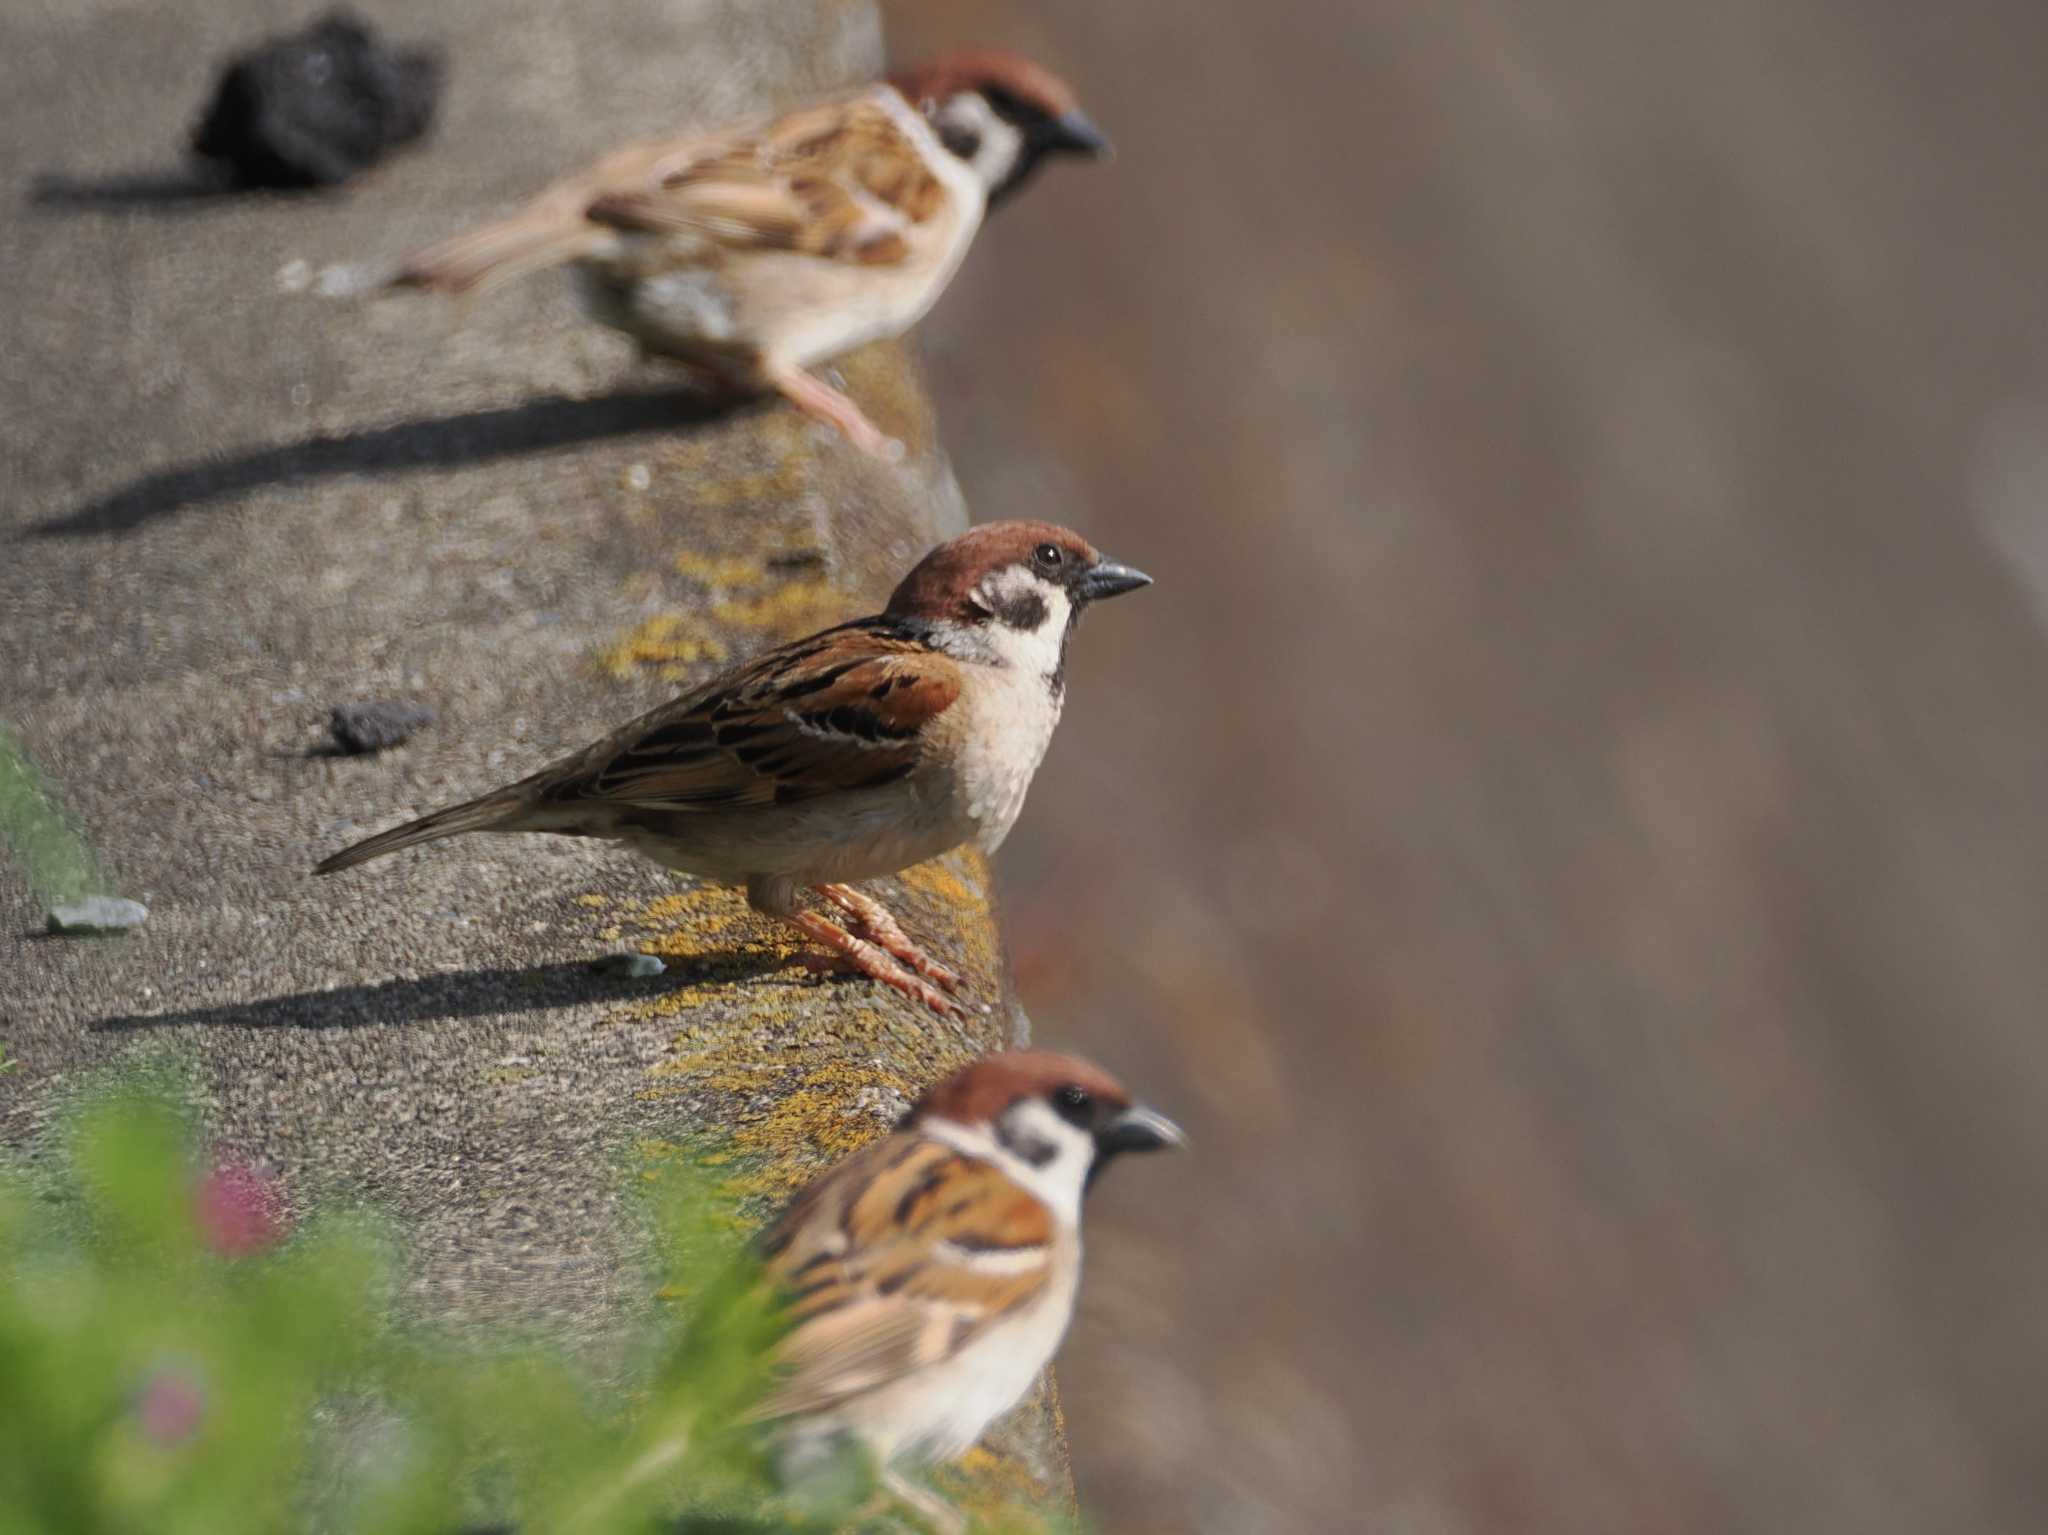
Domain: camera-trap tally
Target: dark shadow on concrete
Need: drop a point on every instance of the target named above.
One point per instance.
(444, 442)
(175, 190)
(434, 998)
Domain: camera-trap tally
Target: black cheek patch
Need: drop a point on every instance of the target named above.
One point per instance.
(1024, 610)
(1024, 1145)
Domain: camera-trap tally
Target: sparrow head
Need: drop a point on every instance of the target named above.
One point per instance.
(1054, 1121)
(1010, 592)
(1001, 113)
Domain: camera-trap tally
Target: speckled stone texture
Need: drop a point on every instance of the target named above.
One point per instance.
(230, 496)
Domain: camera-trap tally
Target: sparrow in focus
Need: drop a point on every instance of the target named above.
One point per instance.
(754, 251)
(931, 1275)
(855, 753)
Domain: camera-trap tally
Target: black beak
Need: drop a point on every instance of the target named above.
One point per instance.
(1109, 579)
(1071, 133)
(1137, 1129)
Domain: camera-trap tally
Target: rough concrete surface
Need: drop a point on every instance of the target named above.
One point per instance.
(233, 500)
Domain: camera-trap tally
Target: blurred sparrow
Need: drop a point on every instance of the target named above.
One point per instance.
(753, 251)
(852, 754)
(931, 1275)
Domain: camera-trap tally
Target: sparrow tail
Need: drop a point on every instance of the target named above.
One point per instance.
(482, 259)
(486, 814)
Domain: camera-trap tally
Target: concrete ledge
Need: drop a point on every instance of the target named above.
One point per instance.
(231, 503)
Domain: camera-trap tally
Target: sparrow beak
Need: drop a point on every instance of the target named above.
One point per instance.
(1109, 579)
(1137, 1129)
(1071, 133)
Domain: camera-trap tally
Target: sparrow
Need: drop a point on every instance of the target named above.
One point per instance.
(930, 1276)
(753, 251)
(851, 754)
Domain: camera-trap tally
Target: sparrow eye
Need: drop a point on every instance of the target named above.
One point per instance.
(1075, 1104)
(1049, 555)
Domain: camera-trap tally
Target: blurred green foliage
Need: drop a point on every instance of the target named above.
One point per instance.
(54, 858)
(180, 1353)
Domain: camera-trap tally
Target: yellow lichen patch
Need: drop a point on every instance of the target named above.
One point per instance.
(789, 611)
(787, 480)
(955, 889)
(791, 462)
(707, 908)
(681, 922)
(710, 981)
(818, 1124)
(790, 1114)
(798, 1090)
(675, 642)
(721, 570)
(689, 456)
(997, 1487)
(777, 590)
(593, 900)
(712, 940)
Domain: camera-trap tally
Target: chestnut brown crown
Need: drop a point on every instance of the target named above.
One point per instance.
(976, 1094)
(996, 73)
(943, 583)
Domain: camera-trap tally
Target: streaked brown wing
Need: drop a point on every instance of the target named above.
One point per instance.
(894, 1260)
(841, 181)
(841, 710)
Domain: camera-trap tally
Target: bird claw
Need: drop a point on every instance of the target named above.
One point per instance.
(873, 961)
(872, 921)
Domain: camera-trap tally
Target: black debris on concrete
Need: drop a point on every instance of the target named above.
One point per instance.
(313, 108)
(376, 726)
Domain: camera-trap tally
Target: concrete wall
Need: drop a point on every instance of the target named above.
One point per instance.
(231, 502)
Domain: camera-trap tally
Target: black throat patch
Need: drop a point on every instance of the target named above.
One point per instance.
(1057, 682)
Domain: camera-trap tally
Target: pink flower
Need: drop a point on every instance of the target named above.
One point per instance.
(239, 1210)
(170, 1408)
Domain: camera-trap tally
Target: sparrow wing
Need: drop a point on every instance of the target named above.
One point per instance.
(554, 227)
(896, 1260)
(846, 709)
(843, 181)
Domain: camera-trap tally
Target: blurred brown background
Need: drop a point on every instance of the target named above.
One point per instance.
(1566, 832)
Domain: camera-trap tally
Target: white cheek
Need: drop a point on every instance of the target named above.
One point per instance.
(1059, 1181)
(1036, 650)
(1000, 147)
(999, 143)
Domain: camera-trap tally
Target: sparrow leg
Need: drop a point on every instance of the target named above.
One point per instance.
(874, 923)
(813, 396)
(935, 1511)
(872, 961)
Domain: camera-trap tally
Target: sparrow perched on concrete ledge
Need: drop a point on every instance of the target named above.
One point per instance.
(754, 251)
(855, 753)
(931, 1275)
